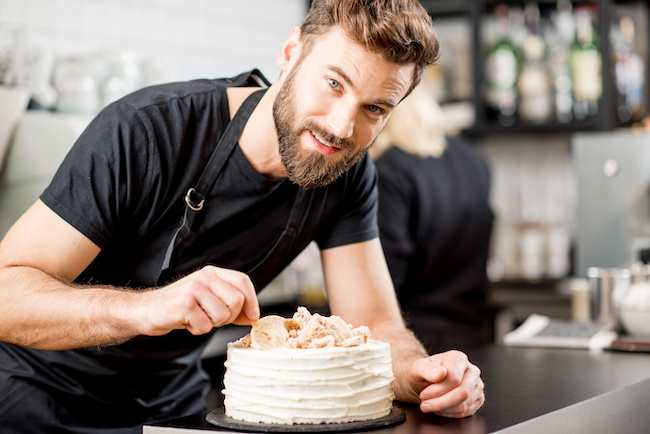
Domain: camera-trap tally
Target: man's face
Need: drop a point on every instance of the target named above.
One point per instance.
(332, 105)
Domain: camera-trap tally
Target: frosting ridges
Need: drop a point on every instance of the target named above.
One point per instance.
(317, 385)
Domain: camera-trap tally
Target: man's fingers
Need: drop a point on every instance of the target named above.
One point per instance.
(209, 297)
(453, 405)
(449, 385)
(223, 306)
(427, 371)
(451, 400)
(446, 401)
(464, 409)
(196, 320)
(245, 286)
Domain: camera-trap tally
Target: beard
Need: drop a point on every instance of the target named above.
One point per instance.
(307, 168)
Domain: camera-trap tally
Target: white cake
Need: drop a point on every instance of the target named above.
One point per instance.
(303, 385)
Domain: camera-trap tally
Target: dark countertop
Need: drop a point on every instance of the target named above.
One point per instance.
(531, 390)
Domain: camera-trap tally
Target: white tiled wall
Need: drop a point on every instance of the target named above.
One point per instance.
(191, 38)
(180, 39)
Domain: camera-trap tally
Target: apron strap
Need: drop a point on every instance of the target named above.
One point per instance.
(195, 196)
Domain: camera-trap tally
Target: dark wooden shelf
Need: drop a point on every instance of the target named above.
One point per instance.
(604, 120)
(488, 128)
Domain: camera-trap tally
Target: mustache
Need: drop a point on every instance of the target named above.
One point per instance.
(323, 133)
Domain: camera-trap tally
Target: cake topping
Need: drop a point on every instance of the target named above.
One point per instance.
(269, 332)
(304, 330)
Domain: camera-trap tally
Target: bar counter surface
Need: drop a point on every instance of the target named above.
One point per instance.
(529, 390)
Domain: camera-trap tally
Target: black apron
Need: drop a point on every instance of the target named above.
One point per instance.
(195, 202)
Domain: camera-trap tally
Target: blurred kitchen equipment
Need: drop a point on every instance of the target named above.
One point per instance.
(27, 63)
(13, 103)
(87, 83)
(594, 323)
(613, 211)
(631, 299)
(40, 142)
(533, 195)
(580, 301)
(121, 74)
(602, 283)
(7, 54)
(77, 81)
(634, 310)
(543, 331)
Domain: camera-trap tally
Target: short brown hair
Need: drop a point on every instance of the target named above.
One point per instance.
(400, 30)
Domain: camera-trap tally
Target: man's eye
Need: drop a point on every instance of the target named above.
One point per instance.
(335, 84)
(375, 109)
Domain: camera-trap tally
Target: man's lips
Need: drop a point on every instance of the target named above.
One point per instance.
(322, 145)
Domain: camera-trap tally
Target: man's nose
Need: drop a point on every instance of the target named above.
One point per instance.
(341, 120)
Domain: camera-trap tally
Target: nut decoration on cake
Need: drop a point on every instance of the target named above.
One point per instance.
(308, 369)
(304, 330)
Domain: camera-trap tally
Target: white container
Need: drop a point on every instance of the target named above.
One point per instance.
(634, 312)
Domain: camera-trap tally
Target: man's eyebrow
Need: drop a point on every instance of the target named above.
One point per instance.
(343, 75)
(390, 104)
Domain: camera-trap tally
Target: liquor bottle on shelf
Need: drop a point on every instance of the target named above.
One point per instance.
(561, 35)
(586, 67)
(534, 83)
(629, 69)
(501, 70)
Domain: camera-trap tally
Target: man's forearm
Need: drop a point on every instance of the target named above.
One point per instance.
(405, 349)
(43, 312)
(46, 313)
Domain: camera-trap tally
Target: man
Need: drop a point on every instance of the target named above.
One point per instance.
(180, 201)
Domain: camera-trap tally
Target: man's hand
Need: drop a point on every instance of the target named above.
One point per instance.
(208, 298)
(448, 384)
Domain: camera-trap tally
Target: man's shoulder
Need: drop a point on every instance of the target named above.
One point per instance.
(213, 89)
(199, 90)
(162, 94)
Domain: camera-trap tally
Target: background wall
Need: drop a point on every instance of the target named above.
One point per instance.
(169, 39)
(75, 56)
(78, 55)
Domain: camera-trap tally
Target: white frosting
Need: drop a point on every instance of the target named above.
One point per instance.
(318, 385)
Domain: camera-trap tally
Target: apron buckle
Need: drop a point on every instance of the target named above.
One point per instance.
(190, 204)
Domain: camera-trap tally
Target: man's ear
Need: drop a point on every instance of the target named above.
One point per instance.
(290, 50)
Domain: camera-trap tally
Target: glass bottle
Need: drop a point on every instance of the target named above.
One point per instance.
(629, 69)
(563, 33)
(534, 81)
(586, 67)
(501, 70)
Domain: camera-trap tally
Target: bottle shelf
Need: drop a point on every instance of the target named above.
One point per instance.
(489, 128)
(604, 19)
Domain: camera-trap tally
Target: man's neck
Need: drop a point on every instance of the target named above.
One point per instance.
(258, 141)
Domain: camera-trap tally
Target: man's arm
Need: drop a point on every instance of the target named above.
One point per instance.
(42, 254)
(361, 292)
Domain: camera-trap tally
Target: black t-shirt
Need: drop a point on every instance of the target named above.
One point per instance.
(122, 185)
(435, 223)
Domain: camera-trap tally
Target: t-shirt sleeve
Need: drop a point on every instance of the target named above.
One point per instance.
(357, 214)
(96, 187)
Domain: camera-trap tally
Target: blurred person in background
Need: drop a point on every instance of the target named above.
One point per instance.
(435, 223)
